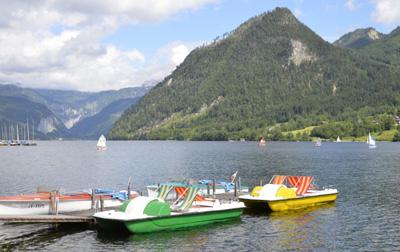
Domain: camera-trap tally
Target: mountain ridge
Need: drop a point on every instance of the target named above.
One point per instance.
(67, 107)
(358, 38)
(234, 87)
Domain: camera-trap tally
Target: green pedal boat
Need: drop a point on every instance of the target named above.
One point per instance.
(149, 214)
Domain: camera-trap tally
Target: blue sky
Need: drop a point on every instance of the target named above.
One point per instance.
(330, 19)
(94, 45)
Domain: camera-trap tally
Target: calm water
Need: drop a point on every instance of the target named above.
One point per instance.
(365, 217)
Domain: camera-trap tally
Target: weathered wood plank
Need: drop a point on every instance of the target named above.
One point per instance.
(45, 219)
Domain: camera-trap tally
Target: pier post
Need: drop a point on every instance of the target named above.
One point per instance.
(213, 187)
(261, 183)
(129, 189)
(93, 198)
(208, 189)
(57, 201)
(235, 188)
(52, 203)
(101, 204)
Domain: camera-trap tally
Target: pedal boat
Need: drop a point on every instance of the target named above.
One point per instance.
(149, 214)
(42, 203)
(288, 193)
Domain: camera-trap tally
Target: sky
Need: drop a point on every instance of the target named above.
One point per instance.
(93, 45)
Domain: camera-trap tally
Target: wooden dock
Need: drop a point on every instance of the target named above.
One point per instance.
(83, 217)
(51, 219)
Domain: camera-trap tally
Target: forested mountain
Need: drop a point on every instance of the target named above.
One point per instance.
(269, 75)
(358, 38)
(53, 113)
(386, 50)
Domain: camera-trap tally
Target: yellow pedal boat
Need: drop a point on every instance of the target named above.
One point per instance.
(288, 193)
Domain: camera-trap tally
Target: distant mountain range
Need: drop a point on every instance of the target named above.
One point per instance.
(64, 114)
(271, 75)
(358, 38)
(369, 42)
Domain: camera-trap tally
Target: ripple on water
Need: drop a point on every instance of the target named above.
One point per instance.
(365, 216)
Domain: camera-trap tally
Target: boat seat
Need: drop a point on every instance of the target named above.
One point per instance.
(189, 196)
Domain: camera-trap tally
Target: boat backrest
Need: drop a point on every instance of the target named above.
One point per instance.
(303, 184)
(278, 179)
(181, 191)
(190, 195)
(293, 180)
(163, 191)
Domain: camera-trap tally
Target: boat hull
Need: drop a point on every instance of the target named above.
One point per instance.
(37, 204)
(290, 204)
(171, 222)
(303, 202)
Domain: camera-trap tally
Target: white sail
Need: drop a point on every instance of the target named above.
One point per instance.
(371, 141)
(338, 139)
(101, 144)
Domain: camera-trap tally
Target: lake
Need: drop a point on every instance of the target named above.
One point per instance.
(366, 215)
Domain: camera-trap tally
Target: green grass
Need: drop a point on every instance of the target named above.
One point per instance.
(300, 131)
(386, 135)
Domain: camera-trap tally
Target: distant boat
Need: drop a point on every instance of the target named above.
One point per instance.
(101, 144)
(28, 142)
(318, 143)
(262, 142)
(338, 140)
(371, 142)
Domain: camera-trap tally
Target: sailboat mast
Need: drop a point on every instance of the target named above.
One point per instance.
(23, 132)
(33, 130)
(27, 129)
(17, 133)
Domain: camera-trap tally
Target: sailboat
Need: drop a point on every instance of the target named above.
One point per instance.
(338, 140)
(28, 142)
(371, 142)
(318, 143)
(101, 144)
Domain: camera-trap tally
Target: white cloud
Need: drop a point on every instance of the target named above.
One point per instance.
(297, 11)
(57, 44)
(350, 5)
(386, 11)
(179, 53)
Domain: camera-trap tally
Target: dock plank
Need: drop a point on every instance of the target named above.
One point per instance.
(60, 218)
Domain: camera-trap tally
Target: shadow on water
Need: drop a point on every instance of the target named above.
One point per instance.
(35, 236)
(266, 211)
(196, 236)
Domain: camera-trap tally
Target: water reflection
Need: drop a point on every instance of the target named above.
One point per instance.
(187, 239)
(302, 229)
(34, 236)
